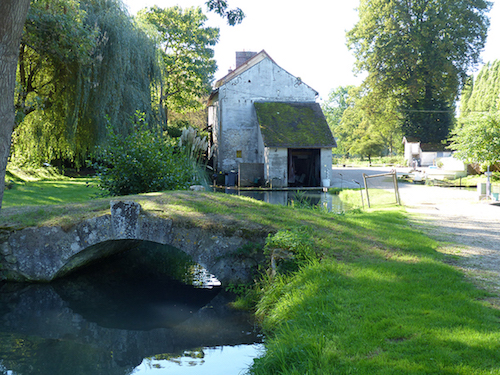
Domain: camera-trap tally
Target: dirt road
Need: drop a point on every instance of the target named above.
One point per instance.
(456, 216)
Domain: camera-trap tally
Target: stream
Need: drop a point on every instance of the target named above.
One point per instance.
(318, 198)
(149, 310)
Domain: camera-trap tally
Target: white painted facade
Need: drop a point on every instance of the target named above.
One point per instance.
(413, 151)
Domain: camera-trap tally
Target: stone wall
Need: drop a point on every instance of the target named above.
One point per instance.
(276, 171)
(46, 253)
(239, 131)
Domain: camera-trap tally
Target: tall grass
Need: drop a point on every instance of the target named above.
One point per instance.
(381, 301)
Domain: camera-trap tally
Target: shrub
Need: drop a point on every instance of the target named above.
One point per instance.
(143, 161)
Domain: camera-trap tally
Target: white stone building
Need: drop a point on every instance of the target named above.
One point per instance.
(424, 154)
(267, 126)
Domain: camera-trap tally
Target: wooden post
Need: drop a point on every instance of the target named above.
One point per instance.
(366, 189)
(396, 187)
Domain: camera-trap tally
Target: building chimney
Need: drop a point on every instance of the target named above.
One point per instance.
(243, 57)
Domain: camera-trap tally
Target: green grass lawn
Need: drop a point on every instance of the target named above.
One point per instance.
(377, 297)
(26, 193)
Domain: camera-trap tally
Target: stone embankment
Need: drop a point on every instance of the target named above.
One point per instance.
(46, 253)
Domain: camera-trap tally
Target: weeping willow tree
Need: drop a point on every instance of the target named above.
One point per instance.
(123, 71)
(55, 51)
(83, 65)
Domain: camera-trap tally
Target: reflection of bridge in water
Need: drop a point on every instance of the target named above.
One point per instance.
(85, 322)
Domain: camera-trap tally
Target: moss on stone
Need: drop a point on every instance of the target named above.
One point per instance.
(293, 125)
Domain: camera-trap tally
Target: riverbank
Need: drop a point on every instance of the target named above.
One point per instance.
(376, 295)
(392, 304)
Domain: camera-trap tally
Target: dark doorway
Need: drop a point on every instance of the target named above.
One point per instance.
(304, 167)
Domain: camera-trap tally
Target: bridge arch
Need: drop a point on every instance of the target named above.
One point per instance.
(46, 253)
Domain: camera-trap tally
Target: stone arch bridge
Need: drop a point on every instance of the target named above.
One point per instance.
(46, 253)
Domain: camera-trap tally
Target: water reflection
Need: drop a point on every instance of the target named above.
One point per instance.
(329, 202)
(225, 360)
(108, 318)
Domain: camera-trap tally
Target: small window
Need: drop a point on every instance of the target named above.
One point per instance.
(238, 154)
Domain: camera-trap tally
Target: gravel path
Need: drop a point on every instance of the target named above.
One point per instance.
(470, 227)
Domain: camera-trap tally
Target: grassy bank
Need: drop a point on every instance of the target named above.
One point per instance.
(359, 293)
(382, 300)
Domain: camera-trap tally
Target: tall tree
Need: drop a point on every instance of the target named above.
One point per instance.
(83, 65)
(419, 52)
(483, 93)
(12, 16)
(54, 53)
(185, 56)
(334, 107)
(369, 125)
(476, 138)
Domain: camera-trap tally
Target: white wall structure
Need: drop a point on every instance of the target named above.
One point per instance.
(236, 133)
(426, 155)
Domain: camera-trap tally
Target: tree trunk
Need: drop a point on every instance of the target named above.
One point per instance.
(12, 16)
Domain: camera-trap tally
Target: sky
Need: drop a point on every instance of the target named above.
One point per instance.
(307, 40)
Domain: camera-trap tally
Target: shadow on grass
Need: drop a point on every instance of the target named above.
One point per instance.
(49, 192)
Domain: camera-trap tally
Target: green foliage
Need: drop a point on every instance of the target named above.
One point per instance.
(240, 290)
(367, 145)
(176, 127)
(233, 16)
(123, 71)
(289, 250)
(428, 119)
(483, 93)
(300, 200)
(143, 161)
(56, 44)
(185, 55)
(80, 62)
(369, 125)
(477, 139)
(335, 190)
(334, 107)
(418, 54)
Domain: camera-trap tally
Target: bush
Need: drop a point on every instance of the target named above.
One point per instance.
(143, 161)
